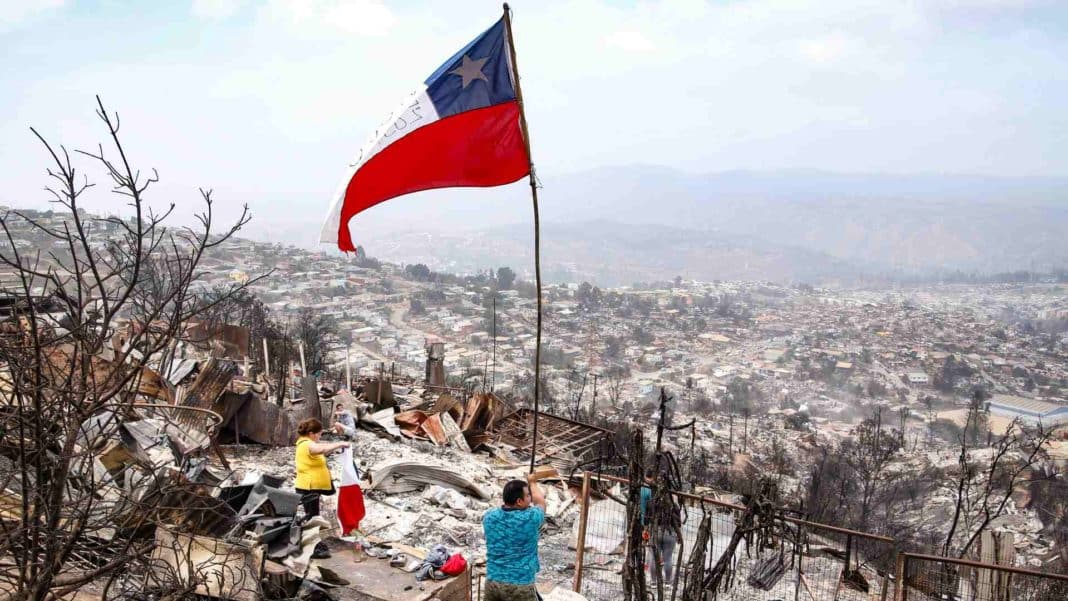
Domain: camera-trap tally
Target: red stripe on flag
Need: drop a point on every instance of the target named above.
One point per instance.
(478, 148)
(350, 508)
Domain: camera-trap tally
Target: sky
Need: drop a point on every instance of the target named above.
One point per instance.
(266, 101)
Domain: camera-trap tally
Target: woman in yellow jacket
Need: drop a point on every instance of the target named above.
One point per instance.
(313, 476)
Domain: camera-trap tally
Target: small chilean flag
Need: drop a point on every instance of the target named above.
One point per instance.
(460, 129)
(350, 509)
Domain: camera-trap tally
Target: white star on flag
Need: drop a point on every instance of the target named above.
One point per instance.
(470, 70)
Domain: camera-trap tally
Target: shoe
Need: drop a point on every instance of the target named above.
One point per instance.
(321, 551)
(376, 552)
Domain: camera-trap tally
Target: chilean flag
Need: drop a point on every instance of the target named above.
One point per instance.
(460, 129)
(350, 509)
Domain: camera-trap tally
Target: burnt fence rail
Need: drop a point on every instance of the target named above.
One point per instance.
(935, 578)
(802, 560)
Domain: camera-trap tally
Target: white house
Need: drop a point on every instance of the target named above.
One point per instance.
(918, 377)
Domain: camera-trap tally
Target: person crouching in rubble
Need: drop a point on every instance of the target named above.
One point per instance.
(313, 476)
(512, 542)
(343, 417)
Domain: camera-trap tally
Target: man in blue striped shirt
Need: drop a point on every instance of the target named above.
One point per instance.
(512, 532)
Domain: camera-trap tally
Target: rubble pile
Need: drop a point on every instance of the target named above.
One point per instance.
(175, 476)
(421, 495)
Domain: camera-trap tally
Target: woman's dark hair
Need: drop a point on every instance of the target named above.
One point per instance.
(309, 426)
(514, 491)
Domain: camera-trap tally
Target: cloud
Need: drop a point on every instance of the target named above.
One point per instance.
(315, 17)
(14, 13)
(213, 10)
(293, 88)
(629, 40)
(825, 49)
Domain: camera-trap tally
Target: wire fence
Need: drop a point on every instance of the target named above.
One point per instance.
(933, 578)
(478, 583)
(801, 560)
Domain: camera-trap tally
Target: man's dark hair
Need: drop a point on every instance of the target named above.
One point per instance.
(650, 473)
(514, 491)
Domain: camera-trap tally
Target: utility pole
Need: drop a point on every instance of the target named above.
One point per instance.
(292, 384)
(493, 374)
(593, 406)
(745, 431)
(381, 383)
(730, 438)
(348, 370)
(266, 360)
(661, 424)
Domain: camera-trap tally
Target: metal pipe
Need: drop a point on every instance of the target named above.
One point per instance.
(732, 506)
(986, 566)
(537, 229)
(580, 551)
(902, 588)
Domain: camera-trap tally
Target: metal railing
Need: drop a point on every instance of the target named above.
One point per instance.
(476, 584)
(935, 578)
(204, 421)
(806, 560)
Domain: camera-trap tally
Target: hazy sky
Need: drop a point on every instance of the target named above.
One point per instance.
(267, 101)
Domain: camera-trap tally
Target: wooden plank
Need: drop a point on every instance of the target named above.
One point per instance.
(453, 433)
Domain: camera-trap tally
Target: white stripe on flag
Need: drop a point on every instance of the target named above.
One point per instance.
(414, 112)
(348, 468)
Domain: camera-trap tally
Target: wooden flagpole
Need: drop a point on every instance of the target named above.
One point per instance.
(537, 230)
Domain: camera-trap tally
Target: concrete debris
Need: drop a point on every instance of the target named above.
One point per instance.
(446, 497)
(562, 593)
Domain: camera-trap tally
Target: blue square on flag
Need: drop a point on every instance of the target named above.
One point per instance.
(477, 76)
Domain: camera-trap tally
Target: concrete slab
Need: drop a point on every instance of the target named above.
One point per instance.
(372, 579)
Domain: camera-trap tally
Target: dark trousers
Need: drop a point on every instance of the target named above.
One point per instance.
(501, 591)
(309, 499)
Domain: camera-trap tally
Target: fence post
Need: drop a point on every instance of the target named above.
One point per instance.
(580, 544)
(902, 567)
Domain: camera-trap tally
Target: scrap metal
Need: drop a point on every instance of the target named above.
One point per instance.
(411, 476)
(214, 377)
(561, 441)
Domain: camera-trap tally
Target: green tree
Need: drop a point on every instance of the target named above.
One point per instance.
(613, 347)
(642, 336)
(416, 306)
(320, 334)
(418, 272)
(505, 278)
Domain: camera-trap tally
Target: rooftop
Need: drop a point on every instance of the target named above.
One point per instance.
(1024, 404)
